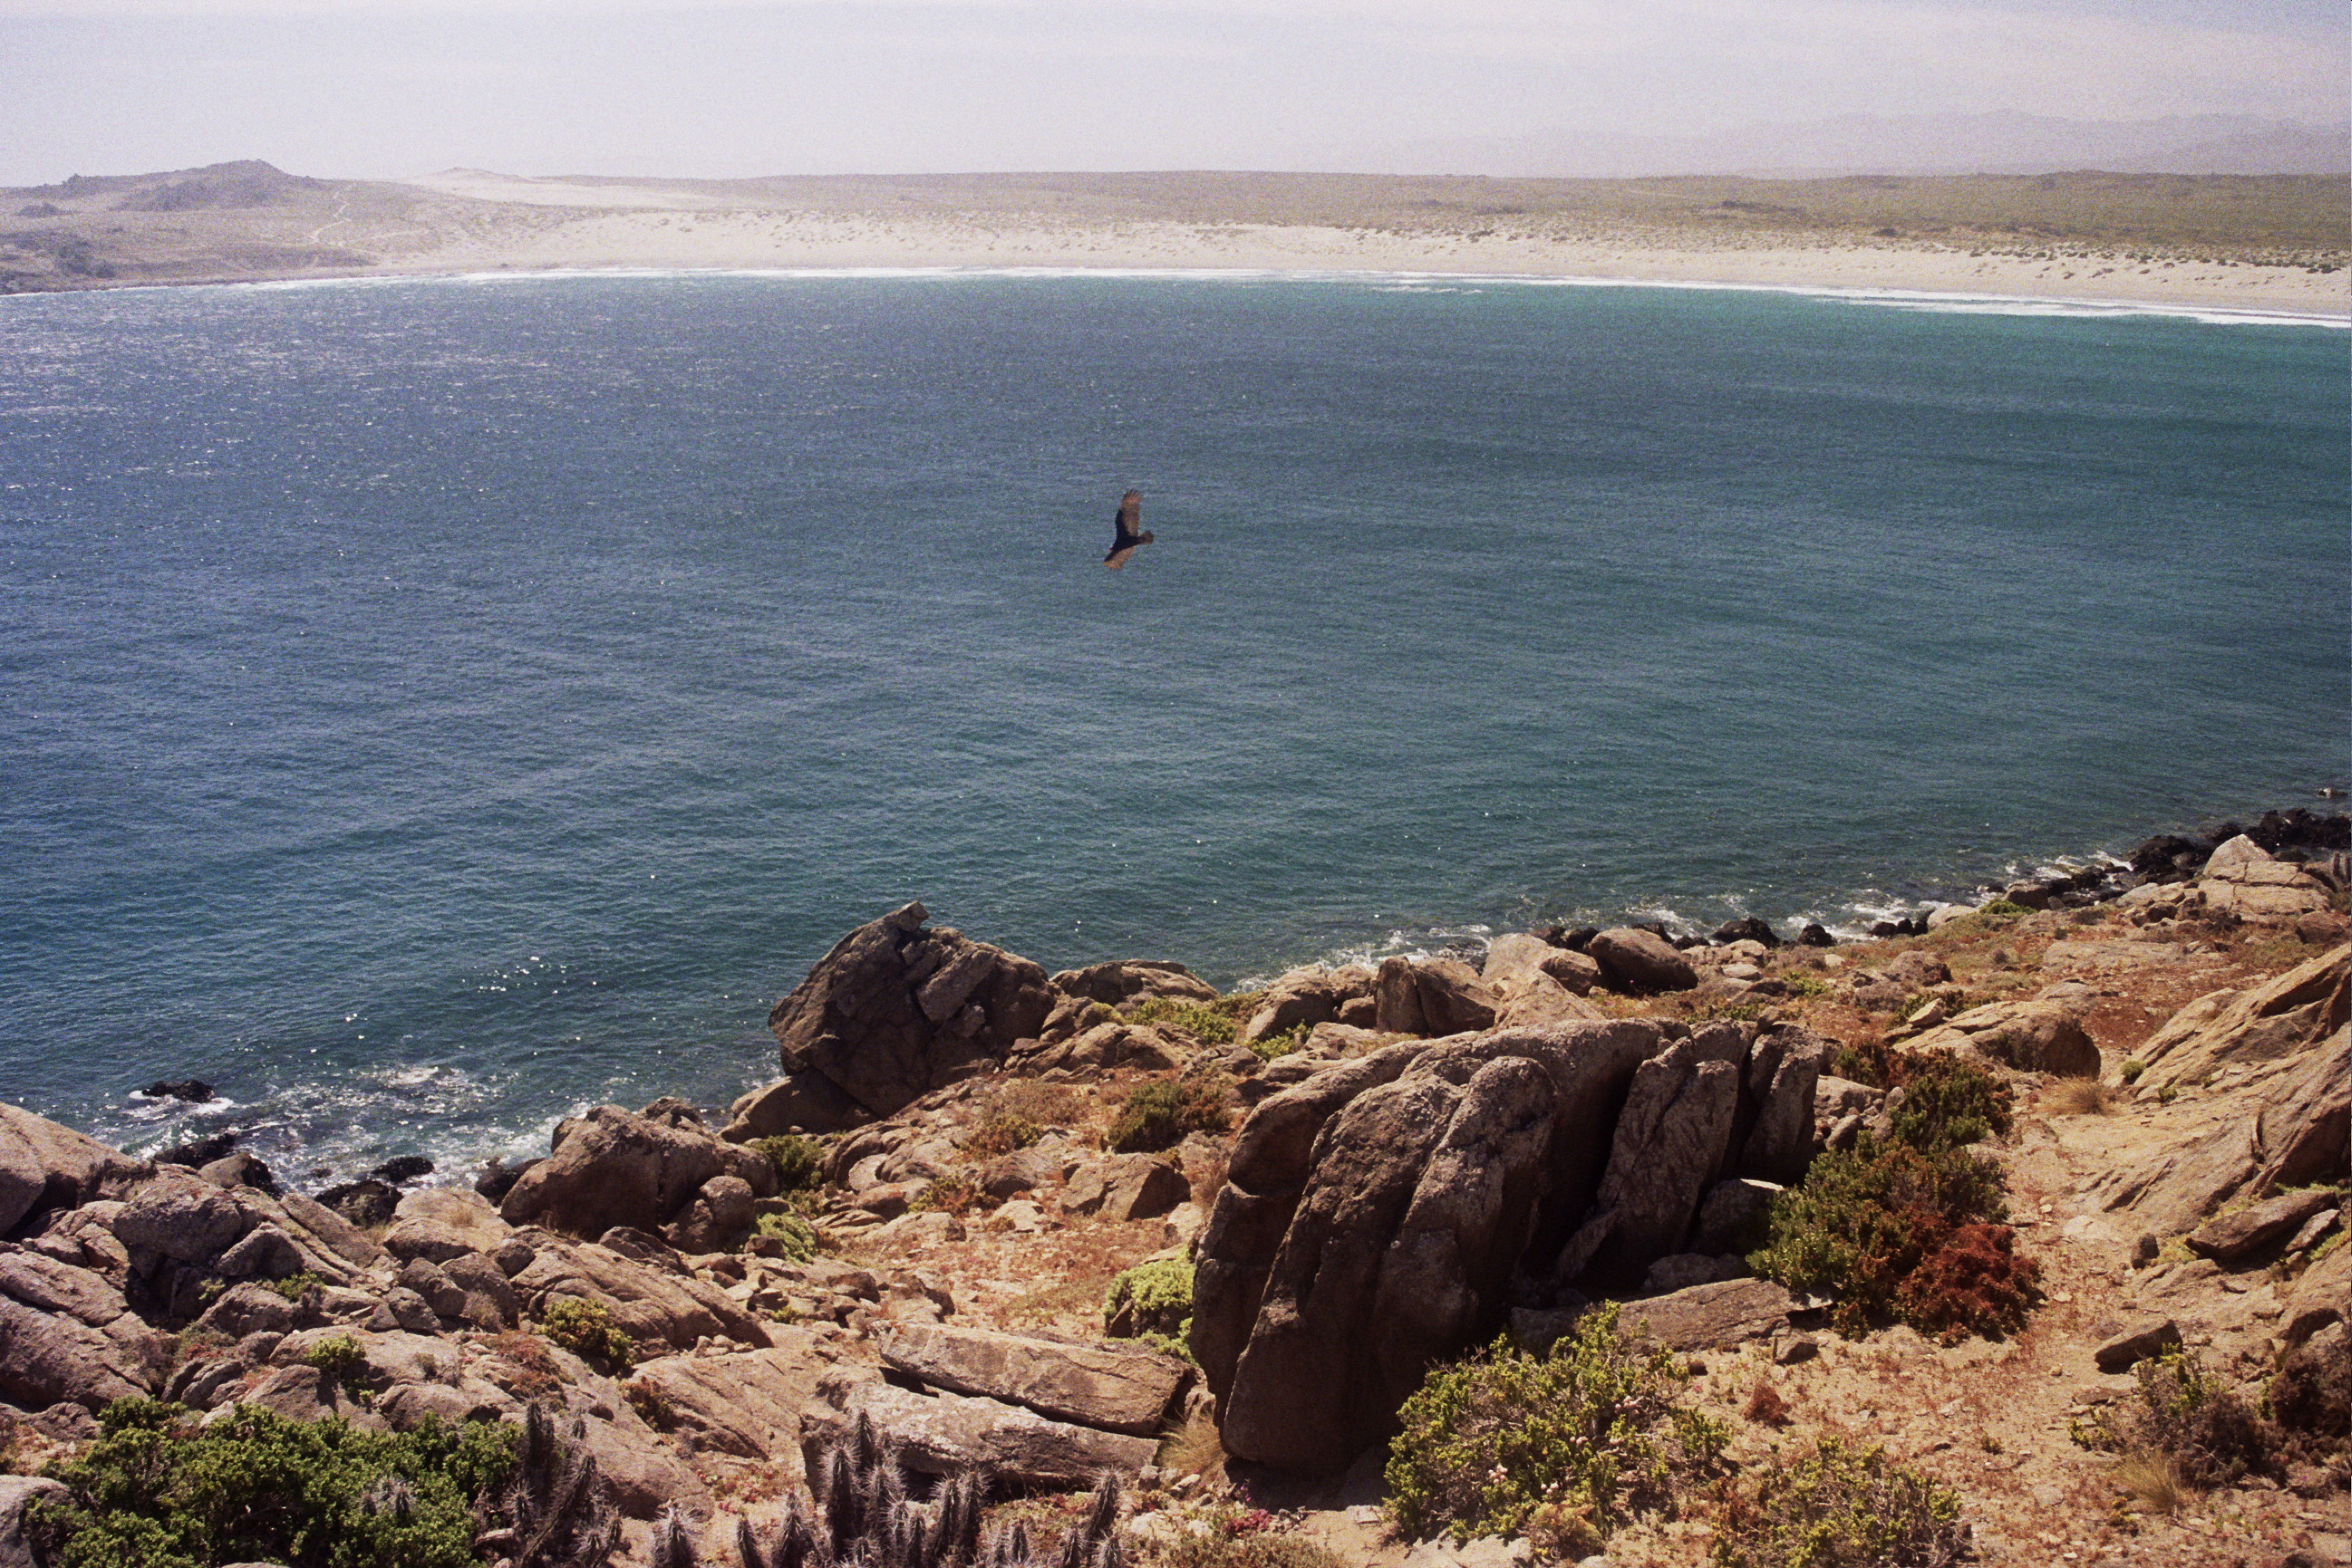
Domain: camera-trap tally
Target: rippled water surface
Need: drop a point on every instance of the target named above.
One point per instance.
(427, 707)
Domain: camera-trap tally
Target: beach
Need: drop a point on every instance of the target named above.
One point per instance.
(545, 226)
(2258, 244)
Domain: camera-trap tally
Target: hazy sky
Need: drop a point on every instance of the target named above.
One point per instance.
(402, 86)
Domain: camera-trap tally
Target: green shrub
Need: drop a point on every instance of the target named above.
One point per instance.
(155, 1490)
(2131, 1070)
(800, 1238)
(1897, 1232)
(293, 1286)
(586, 1328)
(1586, 1435)
(1156, 1116)
(1211, 1022)
(1841, 1507)
(1948, 1101)
(1152, 1301)
(339, 1356)
(799, 1162)
(1274, 1048)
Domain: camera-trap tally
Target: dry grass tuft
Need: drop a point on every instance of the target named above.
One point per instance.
(2150, 1478)
(1194, 1448)
(2078, 1097)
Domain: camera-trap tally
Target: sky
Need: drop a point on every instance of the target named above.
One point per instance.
(382, 88)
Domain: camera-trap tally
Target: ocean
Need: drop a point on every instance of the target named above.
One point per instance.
(429, 708)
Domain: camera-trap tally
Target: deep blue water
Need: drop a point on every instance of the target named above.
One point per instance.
(427, 707)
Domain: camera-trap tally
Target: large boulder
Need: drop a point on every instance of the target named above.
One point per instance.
(181, 1216)
(615, 1167)
(2029, 1037)
(644, 1287)
(747, 1403)
(1641, 962)
(2278, 1018)
(1376, 1216)
(2294, 1133)
(443, 1223)
(1535, 983)
(1126, 980)
(1389, 1210)
(1673, 1138)
(943, 1433)
(59, 1357)
(44, 1167)
(894, 1010)
(1431, 997)
(2244, 880)
(1116, 1388)
(1308, 996)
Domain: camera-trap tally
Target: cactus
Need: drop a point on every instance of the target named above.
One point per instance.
(551, 1512)
(673, 1542)
(863, 1518)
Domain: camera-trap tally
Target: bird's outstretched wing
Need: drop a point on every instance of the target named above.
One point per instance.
(1126, 537)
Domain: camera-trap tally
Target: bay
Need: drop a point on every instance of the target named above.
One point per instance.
(428, 708)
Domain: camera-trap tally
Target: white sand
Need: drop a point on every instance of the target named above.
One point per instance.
(550, 225)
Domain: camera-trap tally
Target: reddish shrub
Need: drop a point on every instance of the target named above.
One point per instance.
(1766, 1408)
(1971, 1280)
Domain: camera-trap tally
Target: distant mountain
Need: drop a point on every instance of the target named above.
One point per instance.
(249, 182)
(2005, 144)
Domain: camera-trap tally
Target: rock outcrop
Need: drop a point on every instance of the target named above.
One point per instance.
(2028, 1037)
(615, 1167)
(1641, 962)
(893, 1012)
(1392, 1207)
(45, 1166)
(2283, 1017)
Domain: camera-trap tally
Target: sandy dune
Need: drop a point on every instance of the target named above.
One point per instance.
(2265, 244)
(621, 234)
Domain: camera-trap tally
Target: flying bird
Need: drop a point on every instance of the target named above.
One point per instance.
(1126, 541)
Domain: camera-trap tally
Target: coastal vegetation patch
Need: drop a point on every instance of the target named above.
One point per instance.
(1564, 1447)
(1840, 1505)
(586, 1328)
(1159, 1115)
(1907, 1226)
(158, 1489)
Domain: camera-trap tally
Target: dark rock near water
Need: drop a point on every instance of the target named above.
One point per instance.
(199, 1151)
(615, 1167)
(1815, 935)
(1639, 960)
(1748, 928)
(497, 1178)
(403, 1169)
(195, 1090)
(1122, 981)
(364, 1202)
(894, 1010)
(241, 1170)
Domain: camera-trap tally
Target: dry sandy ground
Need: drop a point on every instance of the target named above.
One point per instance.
(536, 225)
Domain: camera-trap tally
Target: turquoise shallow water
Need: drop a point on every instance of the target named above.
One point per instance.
(427, 708)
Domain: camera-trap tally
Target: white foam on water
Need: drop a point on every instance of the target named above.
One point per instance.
(1921, 301)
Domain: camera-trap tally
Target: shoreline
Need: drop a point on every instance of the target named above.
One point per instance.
(608, 241)
(1952, 245)
(1983, 301)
